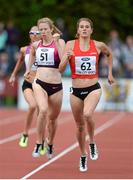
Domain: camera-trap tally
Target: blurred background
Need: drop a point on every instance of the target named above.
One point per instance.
(113, 24)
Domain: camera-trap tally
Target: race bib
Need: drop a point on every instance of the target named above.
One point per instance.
(85, 65)
(45, 56)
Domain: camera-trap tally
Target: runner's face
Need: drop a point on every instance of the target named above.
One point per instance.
(84, 29)
(34, 34)
(45, 30)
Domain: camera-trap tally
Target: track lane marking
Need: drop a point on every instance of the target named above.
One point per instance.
(100, 129)
(32, 130)
(9, 120)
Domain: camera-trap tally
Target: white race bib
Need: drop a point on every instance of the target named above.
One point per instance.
(85, 65)
(45, 56)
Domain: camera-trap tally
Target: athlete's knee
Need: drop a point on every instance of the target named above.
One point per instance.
(53, 115)
(87, 115)
(42, 111)
(52, 122)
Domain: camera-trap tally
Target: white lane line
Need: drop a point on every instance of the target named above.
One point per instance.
(16, 136)
(100, 129)
(13, 119)
(31, 131)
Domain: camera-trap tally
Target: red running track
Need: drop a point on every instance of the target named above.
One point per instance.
(113, 135)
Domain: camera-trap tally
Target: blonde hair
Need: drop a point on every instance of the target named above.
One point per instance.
(33, 27)
(84, 19)
(50, 23)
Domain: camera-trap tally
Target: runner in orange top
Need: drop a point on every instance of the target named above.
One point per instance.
(83, 55)
(84, 64)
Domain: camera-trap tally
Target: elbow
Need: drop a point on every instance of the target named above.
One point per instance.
(61, 69)
(110, 55)
(62, 66)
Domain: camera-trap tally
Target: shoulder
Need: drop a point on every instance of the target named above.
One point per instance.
(71, 41)
(100, 45)
(23, 49)
(61, 41)
(103, 48)
(70, 44)
(35, 44)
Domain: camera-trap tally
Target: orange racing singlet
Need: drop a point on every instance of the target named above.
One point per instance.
(84, 64)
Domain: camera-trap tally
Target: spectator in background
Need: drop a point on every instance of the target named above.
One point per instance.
(128, 57)
(12, 47)
(3, 55)
(3, 64)
(3, 38)
(115, 45)
(62, 27)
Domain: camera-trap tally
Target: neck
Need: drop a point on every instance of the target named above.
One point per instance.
(47, 40)
(84, 43)
(84, 39)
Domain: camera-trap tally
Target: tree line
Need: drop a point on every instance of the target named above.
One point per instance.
(106, 15)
